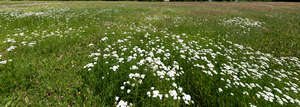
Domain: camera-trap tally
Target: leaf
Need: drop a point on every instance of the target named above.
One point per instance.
(8, 104)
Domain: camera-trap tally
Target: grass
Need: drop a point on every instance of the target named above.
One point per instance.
(217, 51)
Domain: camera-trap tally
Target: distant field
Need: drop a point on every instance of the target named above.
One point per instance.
(149, 54)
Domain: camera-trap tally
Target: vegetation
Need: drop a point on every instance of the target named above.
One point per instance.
(149, 54)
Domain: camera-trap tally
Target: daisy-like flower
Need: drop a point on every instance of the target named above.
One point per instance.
(114, 68)
(220, 89)
(134, 67)
(11, 48)
(123, 104)
(128, 91)
(90, 45)
(122, 87)
(3, 62)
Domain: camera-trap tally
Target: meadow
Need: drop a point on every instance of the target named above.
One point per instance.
(149, 54)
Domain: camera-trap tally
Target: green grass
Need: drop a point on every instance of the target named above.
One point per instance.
(51, 72)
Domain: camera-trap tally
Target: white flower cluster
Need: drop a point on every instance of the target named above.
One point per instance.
(48, 12)
(122, 103)
(29, 14)
(11, 48)
(89, 66)
(25, 37)
(135, 76)
(245, 23)
(241, 68)
(147, 59)
(9, 40)
(171, 94)
(31, 44)
(242, 22)
(2, 62)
